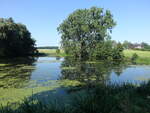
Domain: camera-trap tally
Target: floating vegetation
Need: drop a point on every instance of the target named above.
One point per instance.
(13, 95)
(2, 65)
(68, 68)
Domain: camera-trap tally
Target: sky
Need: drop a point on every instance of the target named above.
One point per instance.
(42, 17)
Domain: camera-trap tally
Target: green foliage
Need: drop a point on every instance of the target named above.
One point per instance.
(134, 57)
(136, 46)
(15, 39)
(57, 51)
(127, 45)
(84, 29)
(108, 51)
(103, 51)
(145, 46)
(117, 53)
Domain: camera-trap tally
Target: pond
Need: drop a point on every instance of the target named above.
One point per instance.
(25, 77)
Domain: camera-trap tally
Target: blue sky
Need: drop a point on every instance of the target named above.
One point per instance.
(42, 17)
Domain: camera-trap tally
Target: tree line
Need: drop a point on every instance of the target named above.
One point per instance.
(15, 39)
(48, 47)
(140, 46)
(85, 35)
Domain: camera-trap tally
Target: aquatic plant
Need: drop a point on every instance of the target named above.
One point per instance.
(125, 98)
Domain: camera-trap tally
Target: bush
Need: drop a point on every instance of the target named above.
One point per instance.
(105, 51)
(134, 57)
(58, 51)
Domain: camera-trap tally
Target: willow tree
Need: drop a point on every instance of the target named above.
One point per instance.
(15, 39)
(83, 29)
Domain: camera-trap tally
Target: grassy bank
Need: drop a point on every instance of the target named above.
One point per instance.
(51, 52)
(96, 99)
(143, 56)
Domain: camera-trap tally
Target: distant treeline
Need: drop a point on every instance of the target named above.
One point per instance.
(48, 47)
(138, 46)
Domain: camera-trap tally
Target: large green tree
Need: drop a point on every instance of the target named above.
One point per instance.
(15, 39)
(83, 29)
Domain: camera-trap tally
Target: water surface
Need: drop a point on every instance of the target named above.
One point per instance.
(53, 72)
(44, 70)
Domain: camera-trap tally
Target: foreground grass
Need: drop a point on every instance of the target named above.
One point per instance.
(143, 56)
(96, 99)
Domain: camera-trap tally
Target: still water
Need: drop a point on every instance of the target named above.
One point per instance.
(47, 71)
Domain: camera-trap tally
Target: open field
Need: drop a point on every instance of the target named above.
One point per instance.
(143, 56)
(51, 52)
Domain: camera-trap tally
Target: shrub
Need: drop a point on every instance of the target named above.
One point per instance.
(58, 51)
(134, 57)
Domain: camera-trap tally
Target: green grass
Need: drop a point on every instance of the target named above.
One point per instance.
(144, 56)
(51, 52)
(125, 98)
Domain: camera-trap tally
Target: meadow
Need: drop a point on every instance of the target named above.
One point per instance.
(143, 56)
(51, 52)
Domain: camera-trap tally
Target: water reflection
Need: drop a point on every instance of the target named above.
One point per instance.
(16, 73)
(48, 71)
(89, 72)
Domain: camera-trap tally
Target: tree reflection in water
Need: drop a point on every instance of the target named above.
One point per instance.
(16, 72)
(90, 72)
